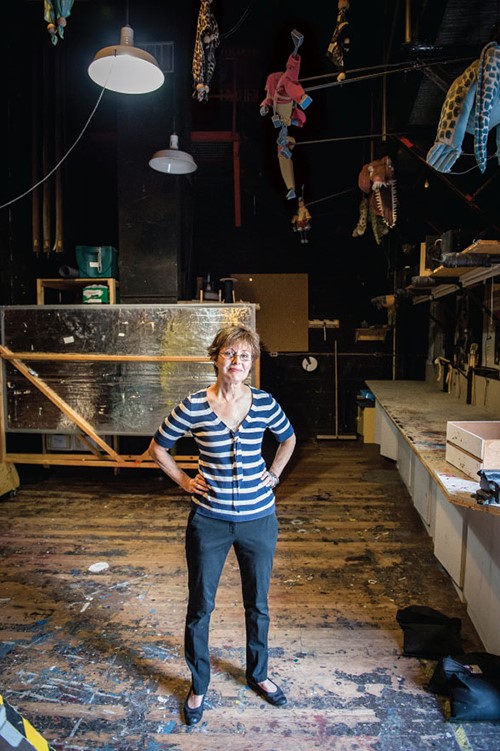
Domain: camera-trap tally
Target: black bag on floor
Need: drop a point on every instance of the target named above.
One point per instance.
(428, 633)
(472, 684)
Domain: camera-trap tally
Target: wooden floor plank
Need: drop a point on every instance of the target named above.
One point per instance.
(95, 660)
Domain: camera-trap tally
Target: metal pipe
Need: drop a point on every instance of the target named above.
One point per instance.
(408, 22)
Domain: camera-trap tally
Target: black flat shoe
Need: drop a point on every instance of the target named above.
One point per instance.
(276, 698)
(193, 716)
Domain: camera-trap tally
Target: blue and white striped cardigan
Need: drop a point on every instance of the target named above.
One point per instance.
(231, 461)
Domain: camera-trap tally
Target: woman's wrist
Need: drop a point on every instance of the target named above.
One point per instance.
(275, 477)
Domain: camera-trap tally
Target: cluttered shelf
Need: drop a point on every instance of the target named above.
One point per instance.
(420, 413)
(474, 264)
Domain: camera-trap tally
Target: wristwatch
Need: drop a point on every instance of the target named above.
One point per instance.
(275, 478)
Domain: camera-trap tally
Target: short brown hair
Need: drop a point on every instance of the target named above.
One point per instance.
(230, 335)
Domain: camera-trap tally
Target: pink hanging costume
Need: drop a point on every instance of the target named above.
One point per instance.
(288, 100)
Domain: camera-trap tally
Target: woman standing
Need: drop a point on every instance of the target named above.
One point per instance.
(232, 504)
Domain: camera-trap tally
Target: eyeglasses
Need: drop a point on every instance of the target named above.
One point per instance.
(230, 354)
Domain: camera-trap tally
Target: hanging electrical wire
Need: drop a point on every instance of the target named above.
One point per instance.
(238, 23)
(63, 158)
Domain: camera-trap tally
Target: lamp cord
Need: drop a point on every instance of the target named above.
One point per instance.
(63, 158)
(238, 23)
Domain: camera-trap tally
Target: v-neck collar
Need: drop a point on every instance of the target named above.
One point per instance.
(222, 421)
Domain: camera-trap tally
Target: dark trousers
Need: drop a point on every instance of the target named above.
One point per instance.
(208, 542)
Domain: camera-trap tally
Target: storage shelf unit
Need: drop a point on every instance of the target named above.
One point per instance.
(65, 285)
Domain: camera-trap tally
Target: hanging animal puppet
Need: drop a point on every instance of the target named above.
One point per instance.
(207, 41)
(379, 202)
(288, 100)
(340, 41)
(301, 220)
(55, 13)
(472, 105)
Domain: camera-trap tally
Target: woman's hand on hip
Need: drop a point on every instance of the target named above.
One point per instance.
(198, 484)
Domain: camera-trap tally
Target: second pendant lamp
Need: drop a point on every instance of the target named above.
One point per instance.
(172, 160)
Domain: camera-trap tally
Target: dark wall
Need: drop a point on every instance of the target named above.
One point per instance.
(149, 213)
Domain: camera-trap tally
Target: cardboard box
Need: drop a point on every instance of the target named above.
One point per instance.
(473, 445)
(95, 293)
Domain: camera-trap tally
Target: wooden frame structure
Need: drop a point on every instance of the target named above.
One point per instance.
(108, 455)
(32, 334)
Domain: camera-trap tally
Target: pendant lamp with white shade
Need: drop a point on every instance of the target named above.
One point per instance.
(172, 160)
(126, 69)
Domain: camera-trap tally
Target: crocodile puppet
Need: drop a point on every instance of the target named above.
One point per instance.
(472, 105)
(379, 201)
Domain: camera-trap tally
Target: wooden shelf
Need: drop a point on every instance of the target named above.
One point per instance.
(371, 334)
(486, 247)
(465, 276)
(72, 284)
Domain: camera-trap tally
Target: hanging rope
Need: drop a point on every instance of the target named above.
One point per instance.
(333, 195)
(348, 138)
(396, 67)
(384, 72)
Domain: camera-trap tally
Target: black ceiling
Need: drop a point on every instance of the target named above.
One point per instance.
(420, 46)
(439, 39)
(462, 29)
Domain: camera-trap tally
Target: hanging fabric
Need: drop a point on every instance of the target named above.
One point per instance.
(207, 41)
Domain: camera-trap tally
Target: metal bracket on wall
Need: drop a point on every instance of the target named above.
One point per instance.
(324, 324)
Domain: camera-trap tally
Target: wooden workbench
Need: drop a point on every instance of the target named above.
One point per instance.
(419, 411)
(410, 426)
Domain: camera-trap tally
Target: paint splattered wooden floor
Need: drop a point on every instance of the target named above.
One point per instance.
(94, 659)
